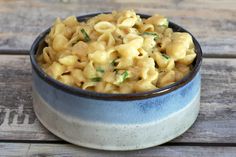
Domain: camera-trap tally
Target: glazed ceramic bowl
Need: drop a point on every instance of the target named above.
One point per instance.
(115, 121)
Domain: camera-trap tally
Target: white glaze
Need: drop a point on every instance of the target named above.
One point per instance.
(119, 136)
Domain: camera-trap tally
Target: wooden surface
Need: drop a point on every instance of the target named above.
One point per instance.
(212, 22)
(41, 150)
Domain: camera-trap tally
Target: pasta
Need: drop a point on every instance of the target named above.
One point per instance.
(117, 53)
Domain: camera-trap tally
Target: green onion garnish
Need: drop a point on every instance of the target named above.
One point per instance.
(121, 77)
(153, 34)
(86, 36)
(150, 33)
(114, 63)
(165, 56)
(124, 75)
(96, 79)
(156, 38)
(99, 69)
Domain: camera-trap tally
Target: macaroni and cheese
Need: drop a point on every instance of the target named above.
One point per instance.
(117, 53)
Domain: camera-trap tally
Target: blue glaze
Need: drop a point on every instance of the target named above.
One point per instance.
(117, 112)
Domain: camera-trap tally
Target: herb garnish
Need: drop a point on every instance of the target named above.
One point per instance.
(99, 69)
(114, 63)
(165, 56)
(122, 77)
(96, 79)
(86, 36)
(153, 34)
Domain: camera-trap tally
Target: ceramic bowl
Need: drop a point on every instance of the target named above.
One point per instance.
(115, 121)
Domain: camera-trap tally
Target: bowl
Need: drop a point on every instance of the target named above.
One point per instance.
(115, 121)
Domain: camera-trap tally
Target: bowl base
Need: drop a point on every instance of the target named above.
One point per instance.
(116, 137)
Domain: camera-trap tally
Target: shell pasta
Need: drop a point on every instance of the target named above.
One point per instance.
(117, 53)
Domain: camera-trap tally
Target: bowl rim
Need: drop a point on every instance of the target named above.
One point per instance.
(115, 97)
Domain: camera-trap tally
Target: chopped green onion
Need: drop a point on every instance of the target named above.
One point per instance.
(156, 38)
(165, 56)
(121, 77)
(99, 69)
(150, 33)
(114, 63)
(86, 36)
(96, 79)
(125, 75)
(153, 34)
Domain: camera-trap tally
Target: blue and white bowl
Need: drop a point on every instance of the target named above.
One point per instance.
(115, 121)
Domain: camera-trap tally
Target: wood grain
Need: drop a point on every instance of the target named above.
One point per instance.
(33, 150)
(212, 22)
(215, 124)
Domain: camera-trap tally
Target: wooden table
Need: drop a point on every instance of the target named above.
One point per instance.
(212, 22)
